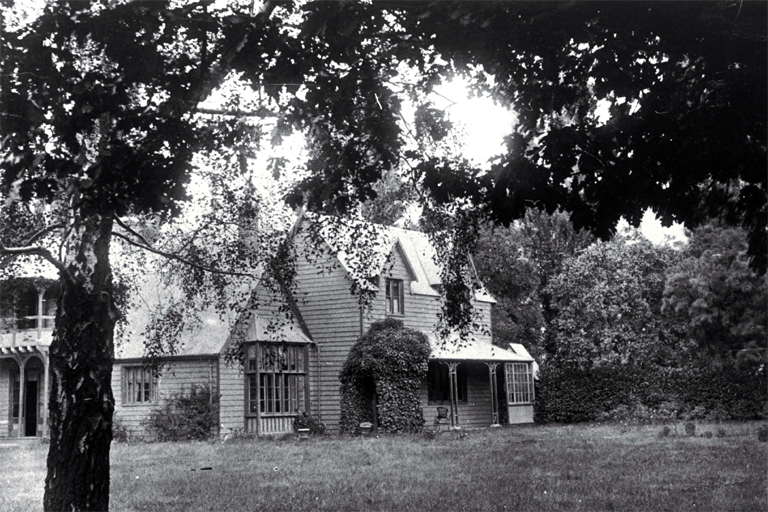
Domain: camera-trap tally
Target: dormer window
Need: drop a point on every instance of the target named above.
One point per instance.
(395, 297)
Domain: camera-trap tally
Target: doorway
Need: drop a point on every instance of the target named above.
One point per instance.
(30, 408)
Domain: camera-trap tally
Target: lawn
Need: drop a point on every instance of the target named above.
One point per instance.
(580, 467)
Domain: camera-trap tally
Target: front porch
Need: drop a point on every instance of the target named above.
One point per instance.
(24, 389)
(477, 385)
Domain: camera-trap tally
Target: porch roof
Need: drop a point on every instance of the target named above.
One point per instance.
(26, 342)
(473, 350)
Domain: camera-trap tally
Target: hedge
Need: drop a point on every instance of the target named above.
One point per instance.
(698, 391)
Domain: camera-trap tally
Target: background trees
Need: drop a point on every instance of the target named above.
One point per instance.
(722, 303)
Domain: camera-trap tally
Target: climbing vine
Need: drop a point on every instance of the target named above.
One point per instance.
(386, 364)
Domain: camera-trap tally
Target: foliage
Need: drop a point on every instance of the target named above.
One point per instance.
(721, 301)
(306, 421)
(516, 264)
(607, 304)
(660, 83)
(700, 390)
(387, 363)
(120, 433)
(185, 416)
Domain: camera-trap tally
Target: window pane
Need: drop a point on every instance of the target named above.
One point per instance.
(251, 356)
(253, 397)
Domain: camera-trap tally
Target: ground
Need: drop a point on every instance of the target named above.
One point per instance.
(579, 467)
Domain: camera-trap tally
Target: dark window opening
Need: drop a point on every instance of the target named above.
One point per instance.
(438, 384)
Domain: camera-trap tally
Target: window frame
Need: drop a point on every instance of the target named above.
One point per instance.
(461, 379)
(389, 304)
(519, 383)
(288, 373)
(128, 376)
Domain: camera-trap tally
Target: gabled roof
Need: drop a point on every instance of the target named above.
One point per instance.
(212, 333)
(363, 249)
(275, 318)
(206, 338)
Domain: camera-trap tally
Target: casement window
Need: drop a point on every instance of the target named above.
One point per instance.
(519, 383)
(139, 385)
(438, 383)
(395, 297)
(277, 377)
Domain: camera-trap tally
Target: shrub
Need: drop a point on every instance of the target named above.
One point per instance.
(185, 417)
(762, 435)
(306, 421)
(690, 429)
(385, 365)
(119, 432)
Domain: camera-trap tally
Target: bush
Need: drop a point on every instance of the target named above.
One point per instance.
(631, 393)
(385, 365)
(119, 432)
(306, 421)
(185, 417)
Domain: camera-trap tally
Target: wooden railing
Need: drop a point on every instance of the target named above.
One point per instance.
(268, 425)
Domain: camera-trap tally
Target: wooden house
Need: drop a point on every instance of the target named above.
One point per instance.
(27, 310)
(295, 343)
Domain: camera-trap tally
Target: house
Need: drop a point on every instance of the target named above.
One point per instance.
(295, 342)
(27, 310)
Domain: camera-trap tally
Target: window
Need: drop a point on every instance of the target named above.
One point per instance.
(139, 385)
(519, 383)
(276, 375)
(395, 297)
(438, 384)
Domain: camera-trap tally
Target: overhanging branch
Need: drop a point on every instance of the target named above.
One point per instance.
(178, 258)
(37, 251)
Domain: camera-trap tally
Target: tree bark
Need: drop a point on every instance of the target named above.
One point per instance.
(81, 356)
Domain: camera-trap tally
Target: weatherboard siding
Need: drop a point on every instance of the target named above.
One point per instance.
(231, 397)
(179, 377)
(332, 316)
(5, 397)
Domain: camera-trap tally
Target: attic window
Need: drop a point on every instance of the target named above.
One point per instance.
(395, 297)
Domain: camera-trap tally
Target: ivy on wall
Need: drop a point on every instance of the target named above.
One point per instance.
(385, 365)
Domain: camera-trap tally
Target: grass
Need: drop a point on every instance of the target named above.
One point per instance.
(580, 467)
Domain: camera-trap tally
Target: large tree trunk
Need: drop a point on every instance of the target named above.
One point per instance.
(82, 352)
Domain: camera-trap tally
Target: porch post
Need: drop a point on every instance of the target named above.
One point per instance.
(454, 390)
(494, 394)
(46, 369)
(40, 292)
(22, 398)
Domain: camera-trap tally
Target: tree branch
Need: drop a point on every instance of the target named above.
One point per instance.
(37, 236)
(178, 258)
(41, 252)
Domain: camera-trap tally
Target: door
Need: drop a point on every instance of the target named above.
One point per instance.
(30, 408)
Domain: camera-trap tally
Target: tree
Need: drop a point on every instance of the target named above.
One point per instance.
(722, 303)
(684, 83)
(99, 130)
(517, 263)
(607, 305)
